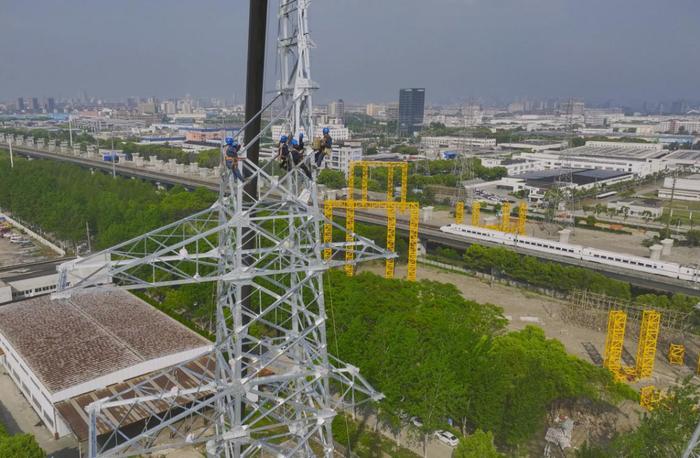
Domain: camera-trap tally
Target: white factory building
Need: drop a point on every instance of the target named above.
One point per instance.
(456, 143)
(64, 354)
(687, 188)
(342, 155)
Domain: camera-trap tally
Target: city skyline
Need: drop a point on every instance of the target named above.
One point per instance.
(480, 51)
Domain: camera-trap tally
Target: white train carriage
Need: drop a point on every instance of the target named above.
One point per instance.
(637, 263)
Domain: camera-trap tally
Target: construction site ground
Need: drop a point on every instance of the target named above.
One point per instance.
(522, 308)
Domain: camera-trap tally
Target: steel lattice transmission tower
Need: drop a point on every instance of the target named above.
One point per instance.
(268, 387)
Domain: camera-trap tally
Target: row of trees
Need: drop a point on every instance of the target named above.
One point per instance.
(440, 357)
(19, 445)
(61, 198)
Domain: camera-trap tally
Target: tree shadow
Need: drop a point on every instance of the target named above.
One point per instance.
(8, 421)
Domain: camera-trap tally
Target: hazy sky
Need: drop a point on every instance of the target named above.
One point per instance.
(625, 50)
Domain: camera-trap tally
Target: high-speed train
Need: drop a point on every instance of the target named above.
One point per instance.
(611, 258)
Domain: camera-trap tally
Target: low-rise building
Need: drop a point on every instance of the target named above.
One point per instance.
(687, 188)
(57, 351)
(638, 209)
(342, 155)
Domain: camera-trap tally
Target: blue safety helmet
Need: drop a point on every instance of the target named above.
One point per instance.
(283, 139)
(295, 142)
(326, 130)
(229, 140)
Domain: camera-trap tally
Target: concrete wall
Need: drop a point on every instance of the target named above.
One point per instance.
(34, 235)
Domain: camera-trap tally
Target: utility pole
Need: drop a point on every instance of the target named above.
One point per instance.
(87, 231)
(12, 159)
(113, 156)
(670, 205)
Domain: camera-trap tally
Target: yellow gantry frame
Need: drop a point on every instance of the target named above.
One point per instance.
(505, 217)
(476, 213)
(648, 337)
(390, 179)
(676, 354)
(392, 207)
(649, 397)
(505, 224)
(459, 212)
(614, 341)
(522, 218)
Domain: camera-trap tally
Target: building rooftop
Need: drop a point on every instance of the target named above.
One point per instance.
(94, 333)
(624, 151)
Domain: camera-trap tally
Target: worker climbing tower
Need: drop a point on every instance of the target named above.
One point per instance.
(264, 388)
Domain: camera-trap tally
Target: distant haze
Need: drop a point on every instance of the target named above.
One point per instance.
(624, 50)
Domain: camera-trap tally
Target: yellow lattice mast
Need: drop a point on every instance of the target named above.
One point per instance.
(365, 182)
(522, 218)
(328, 230)
(614, 341)
(648, 337)
(390, 238)
(392, 207)
(676, 354)
(476, 214)
(505, 217)
(351, 180)
(404, 185)
(459, 212)
(390, 184)
(413, 241)
(649, 397)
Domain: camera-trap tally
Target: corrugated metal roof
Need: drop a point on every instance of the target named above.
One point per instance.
(96, 332)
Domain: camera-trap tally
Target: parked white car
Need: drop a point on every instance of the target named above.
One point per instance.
(447, 438)
(417, 422)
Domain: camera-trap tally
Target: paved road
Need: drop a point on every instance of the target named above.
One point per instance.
(19, 417)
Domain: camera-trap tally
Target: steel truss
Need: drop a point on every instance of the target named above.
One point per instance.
(273, 389)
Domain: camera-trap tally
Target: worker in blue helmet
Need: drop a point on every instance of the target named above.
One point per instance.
(232, 159)
(298, 156)
(325, 147)
(283, 155)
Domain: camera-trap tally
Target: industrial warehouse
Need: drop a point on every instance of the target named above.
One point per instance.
(64, 354)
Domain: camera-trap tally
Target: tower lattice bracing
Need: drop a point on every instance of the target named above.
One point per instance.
(268, 386)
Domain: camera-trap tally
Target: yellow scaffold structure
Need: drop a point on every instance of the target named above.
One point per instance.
(676, 354)
(459, 212)
(648, 337)
(476, 213)
(391, 166)
(649, 397)
(392, 207)
(614, 341)
(505, 224)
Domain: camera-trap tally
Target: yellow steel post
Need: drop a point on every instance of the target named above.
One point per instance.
(327, 230)
(351, 180)
(676, 354)
(646, 348)
(614, 341)
(404, 185)
(365, 182)
(522, 218)
(413, 241)
(349, 237)
(476, 214)
(505, 217)
(649, 397)
(390, 238)
(459, 212)
(390, 184)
